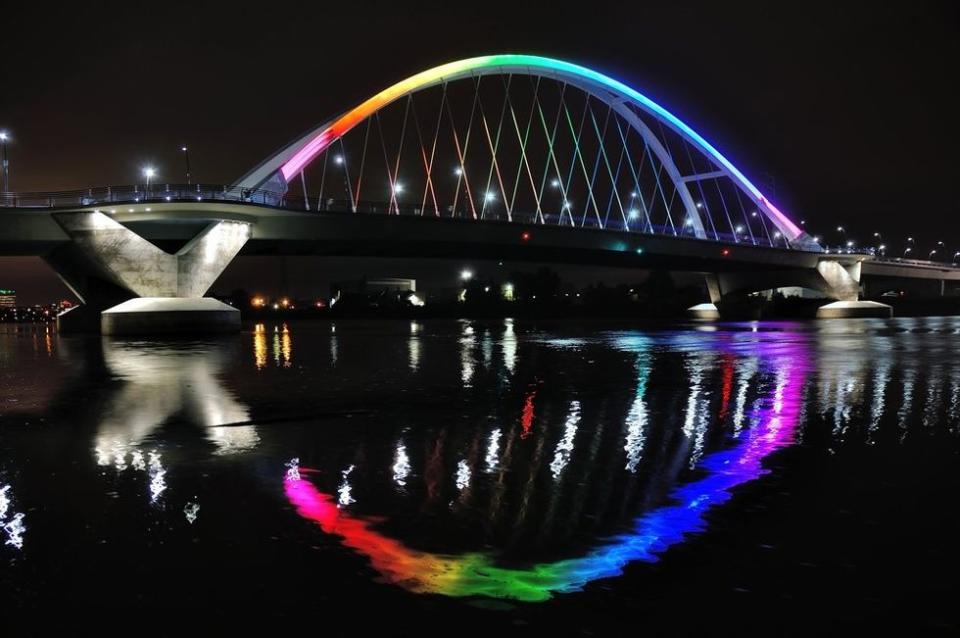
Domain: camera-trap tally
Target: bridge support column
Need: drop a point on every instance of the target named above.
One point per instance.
(842, 282)
(708, 311)
(129, 286)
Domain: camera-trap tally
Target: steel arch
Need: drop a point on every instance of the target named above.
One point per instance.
(279, 169)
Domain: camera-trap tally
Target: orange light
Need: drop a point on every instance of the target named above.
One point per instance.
(258, 302)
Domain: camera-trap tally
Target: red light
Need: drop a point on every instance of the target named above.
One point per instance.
(726, 252)
(525, 236)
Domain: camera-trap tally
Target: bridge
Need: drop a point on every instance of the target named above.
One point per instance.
(498, 157)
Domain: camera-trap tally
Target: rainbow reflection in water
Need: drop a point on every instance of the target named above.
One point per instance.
(476, 574)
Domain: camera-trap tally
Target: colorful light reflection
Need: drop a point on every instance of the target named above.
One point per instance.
(476, 574)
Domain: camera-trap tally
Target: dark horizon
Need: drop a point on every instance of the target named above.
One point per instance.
(842, 114)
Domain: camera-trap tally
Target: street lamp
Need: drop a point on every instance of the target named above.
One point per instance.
(466, 275)
(906, 251)
(186, 160)
(932, 253)
(955, 255)
(148, 173)
(4, 136)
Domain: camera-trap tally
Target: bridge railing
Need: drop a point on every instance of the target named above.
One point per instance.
(139, 193)
(108, 196)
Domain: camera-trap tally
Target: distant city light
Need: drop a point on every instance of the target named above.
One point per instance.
(466, 275)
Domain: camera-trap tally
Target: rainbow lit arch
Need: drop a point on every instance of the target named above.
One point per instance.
(277, 171)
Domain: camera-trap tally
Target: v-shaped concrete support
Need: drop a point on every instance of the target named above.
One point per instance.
(129, 261)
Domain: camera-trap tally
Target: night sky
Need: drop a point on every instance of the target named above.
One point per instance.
(848, 111)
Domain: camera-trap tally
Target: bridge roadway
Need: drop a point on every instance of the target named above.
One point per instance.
(277, 231)
(269, 230)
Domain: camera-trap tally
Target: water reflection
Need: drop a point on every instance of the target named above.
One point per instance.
(782, 372)
(10, 521)
(503, 459)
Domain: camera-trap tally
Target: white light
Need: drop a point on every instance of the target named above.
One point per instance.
(490, 196)
(688, 222)
(633, 213)
(739, 229)
(699, 204)
(466, 275)
(566, 205)
(149, 172)
(776, 235)
(633, 194)
(883, 246)
(3, 136)
(458, 171)
(555, 183)
(148, 210)
(753, 214)
(129, 210)
(338, 159)
(398, 187)
(850, 244)
(183, 148)
(167, 198)
(486, 289)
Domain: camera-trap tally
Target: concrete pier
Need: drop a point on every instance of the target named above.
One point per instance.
(169, 315)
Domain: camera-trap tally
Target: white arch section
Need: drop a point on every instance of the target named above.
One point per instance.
(278, 170)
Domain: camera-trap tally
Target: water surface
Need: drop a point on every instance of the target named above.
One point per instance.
(519, 475)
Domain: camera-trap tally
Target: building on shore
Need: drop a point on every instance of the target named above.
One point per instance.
(8, 298)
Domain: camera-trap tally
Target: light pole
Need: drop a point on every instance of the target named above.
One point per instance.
(906, 251)
(186, 160)
(955, 255)
(843, 236)
(148, 173)
(4, 136)
(932, 253)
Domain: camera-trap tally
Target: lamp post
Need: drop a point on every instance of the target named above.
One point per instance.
(4, 136)
(148, 173)
(186, 160)
(932, 253)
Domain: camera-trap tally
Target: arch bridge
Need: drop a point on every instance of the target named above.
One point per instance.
(503, 156)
